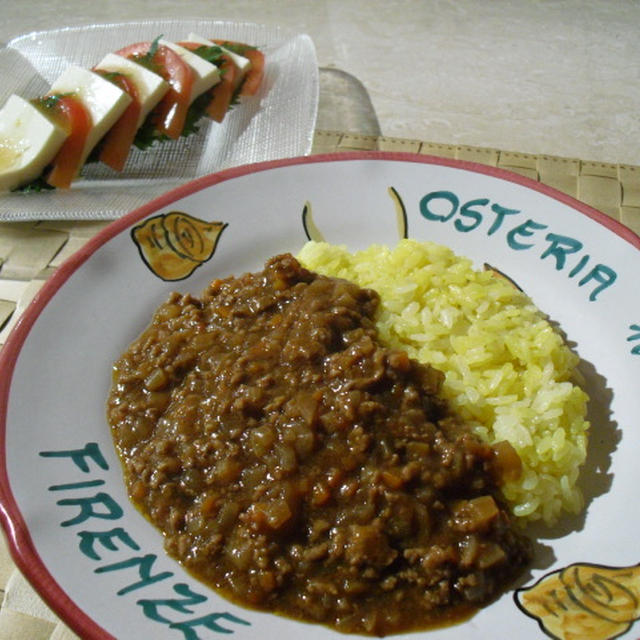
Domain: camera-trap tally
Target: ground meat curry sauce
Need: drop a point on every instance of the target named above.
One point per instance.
(297, 466)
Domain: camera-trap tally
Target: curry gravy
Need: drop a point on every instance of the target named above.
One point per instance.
(298, 466)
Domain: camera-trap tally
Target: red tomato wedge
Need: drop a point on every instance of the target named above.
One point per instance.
(170, 114)
(221, 93)
(253, 79)
(69, 112)
(192, 46)
(116, 144)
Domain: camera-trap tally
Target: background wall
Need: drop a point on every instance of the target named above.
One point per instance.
(550, 76)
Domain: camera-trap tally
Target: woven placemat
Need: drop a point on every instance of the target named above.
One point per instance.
(31, 251)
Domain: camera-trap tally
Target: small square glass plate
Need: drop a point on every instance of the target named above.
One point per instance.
(276, 123)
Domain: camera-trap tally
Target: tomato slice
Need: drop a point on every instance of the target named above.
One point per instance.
(170, 114)
(69, 112)
(253, 78)
(192, 46)
(116, 144)
(222, 93)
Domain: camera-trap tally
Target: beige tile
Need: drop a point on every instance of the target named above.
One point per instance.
(519, 160)
(31, 289)
(397, 144)
(601, 192)
(7, 567)
(20, 596)
(350, 142)
(19, 626)
(7, 307)
(630, 180)
(26, 253)
(478, 154)
(630, 216)
(326, 141)
(559, 173)
(436, 149)
(602, 169)
(62, 632)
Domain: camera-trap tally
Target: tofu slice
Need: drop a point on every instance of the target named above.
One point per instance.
(243, 64)
(151, 87)
(206, 75)
(104, 101)
(28, 142)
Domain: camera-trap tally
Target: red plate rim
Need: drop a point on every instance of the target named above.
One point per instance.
(20, 544)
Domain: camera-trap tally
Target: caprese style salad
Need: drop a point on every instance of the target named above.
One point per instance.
(146, 93)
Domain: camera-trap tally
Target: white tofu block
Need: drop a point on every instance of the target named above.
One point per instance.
(151, 87)
(104, 101)
(28, 142)
(205, 74)
(243, 64)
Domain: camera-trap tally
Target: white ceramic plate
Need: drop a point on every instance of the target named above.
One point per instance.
(56, 449)
(276, 123)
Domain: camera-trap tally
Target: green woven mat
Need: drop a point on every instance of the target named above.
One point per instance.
(31, 251)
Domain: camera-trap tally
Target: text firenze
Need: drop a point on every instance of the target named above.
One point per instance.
(86, 506)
